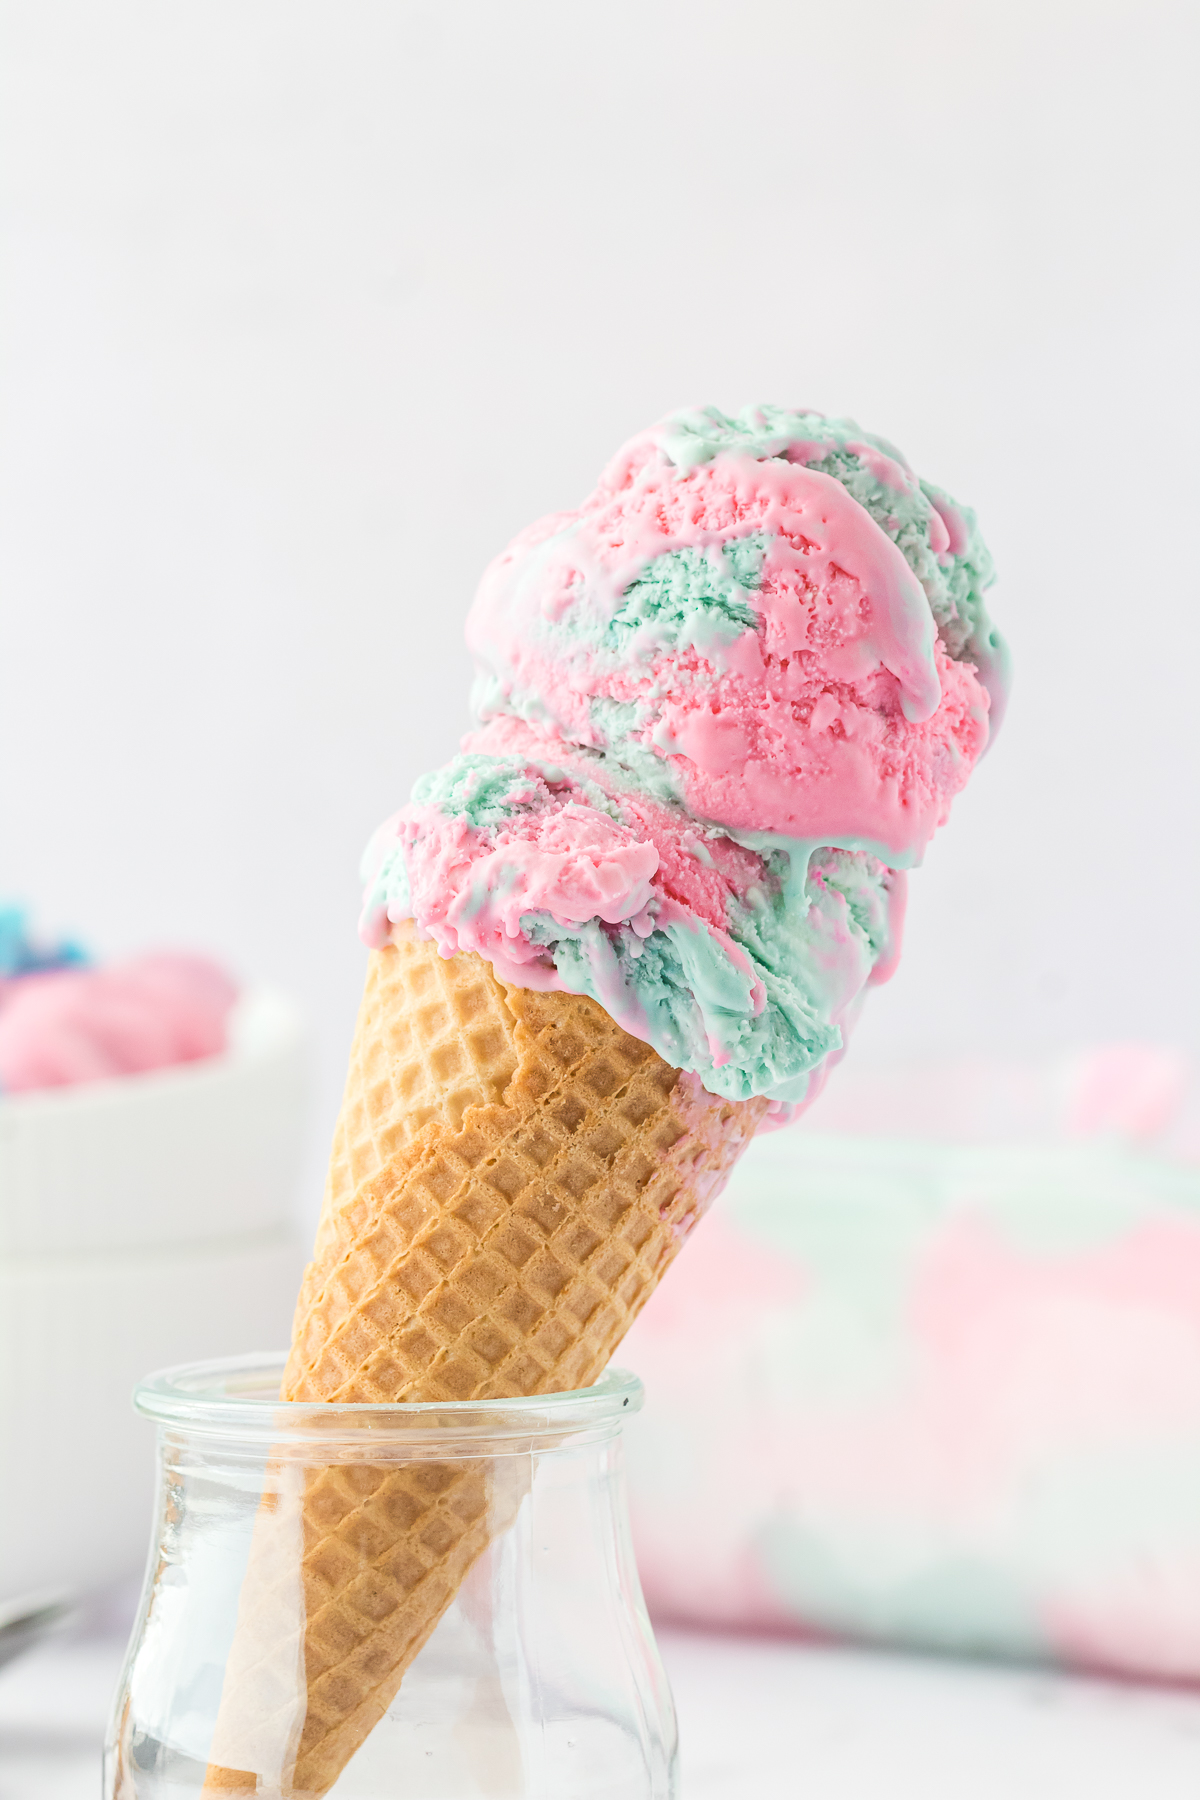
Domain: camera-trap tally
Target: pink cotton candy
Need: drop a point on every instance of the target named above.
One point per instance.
(78, 1025)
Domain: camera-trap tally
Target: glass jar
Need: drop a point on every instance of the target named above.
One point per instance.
(426, 1600)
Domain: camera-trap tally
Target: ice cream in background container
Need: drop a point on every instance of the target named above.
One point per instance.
(720, 708)
(931, 1373)
(151, 1121)
(75, 1025)
(64, 1021)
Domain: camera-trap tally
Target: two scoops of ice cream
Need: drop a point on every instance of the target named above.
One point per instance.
(721, 708)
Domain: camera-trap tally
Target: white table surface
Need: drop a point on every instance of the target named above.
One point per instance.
(757, 1720)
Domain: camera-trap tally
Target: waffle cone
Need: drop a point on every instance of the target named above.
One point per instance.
(511, 1174)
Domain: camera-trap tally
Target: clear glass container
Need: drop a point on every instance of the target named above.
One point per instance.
(428, 1601)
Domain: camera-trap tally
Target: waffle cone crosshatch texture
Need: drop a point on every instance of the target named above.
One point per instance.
(511, 1175)
(351, 1568)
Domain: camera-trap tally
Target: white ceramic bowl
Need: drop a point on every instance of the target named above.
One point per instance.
(143, 1221)
(179, 1156)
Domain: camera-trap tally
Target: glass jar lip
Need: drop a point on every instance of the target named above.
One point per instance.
(234, 1397)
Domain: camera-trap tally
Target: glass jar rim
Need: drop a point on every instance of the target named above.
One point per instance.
(235, 1397)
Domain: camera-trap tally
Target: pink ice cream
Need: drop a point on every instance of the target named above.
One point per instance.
(77, 1025)
(721, 707)
(835, 716)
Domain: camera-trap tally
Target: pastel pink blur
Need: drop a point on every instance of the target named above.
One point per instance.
(79, 1025)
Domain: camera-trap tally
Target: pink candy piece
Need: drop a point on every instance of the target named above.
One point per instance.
(77, 1025)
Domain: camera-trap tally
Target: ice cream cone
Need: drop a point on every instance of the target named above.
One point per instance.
(350, 1570)
(760, 640)
(511, 1175)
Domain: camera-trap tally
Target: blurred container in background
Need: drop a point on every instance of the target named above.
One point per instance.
(930, 1372)
(143, 1221)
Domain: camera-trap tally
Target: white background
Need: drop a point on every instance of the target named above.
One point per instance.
(308, 307)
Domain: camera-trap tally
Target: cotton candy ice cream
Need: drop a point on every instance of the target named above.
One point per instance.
(721, 709)
(63, 1026)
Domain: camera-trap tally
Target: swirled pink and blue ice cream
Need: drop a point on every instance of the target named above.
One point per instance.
(721, 708)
